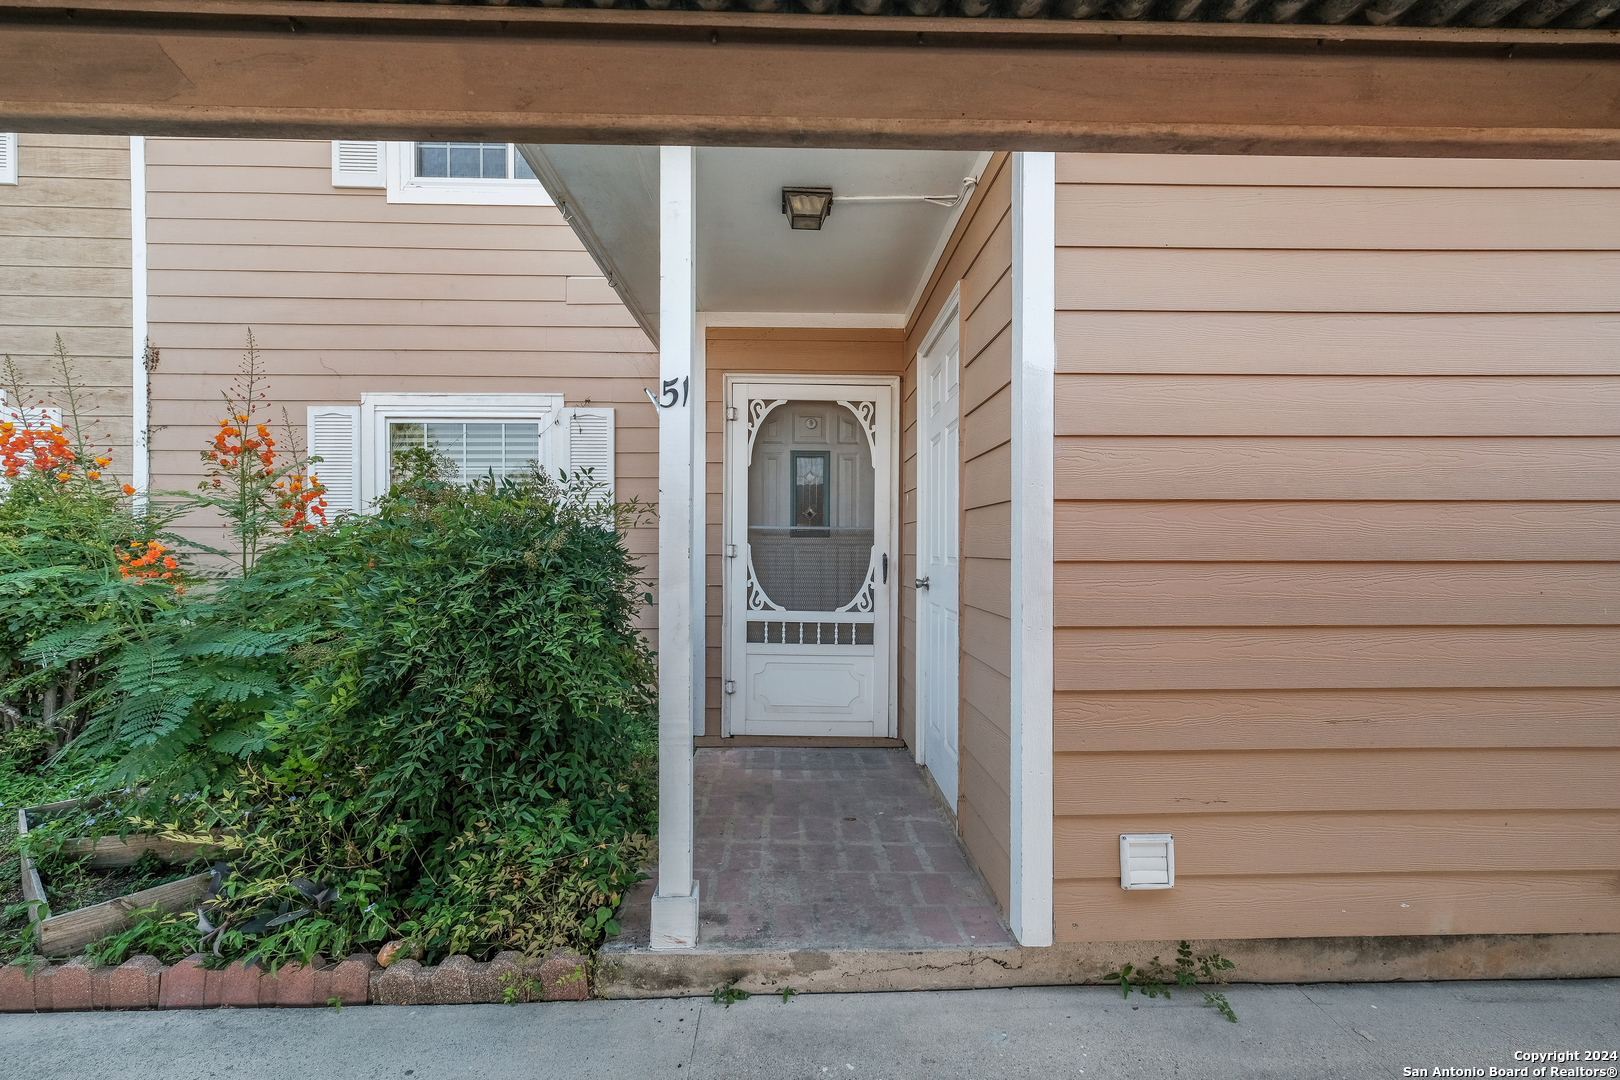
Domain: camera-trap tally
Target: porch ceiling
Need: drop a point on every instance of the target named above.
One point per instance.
(868, 259)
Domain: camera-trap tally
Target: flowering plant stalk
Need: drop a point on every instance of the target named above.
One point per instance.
(263, 492)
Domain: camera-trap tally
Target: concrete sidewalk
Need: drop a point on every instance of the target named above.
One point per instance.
(1324, 1032)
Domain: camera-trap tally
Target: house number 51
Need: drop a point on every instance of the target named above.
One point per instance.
(672, 396)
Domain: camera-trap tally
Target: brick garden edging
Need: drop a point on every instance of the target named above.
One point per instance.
(145, 983)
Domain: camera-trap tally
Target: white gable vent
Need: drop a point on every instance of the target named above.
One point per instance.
(357, 164)
(8, 157)
(1147, 861)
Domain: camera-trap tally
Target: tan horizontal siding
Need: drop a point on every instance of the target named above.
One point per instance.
(1441, 841)
(167, 226)
(1342, 905)
(1332, 342)
(1337, 718)
(322, 338)
(1214, 170)
(65, 258)
(1240, 405)
(1261, 530)
(1149, 279)
(432, 283)
(1509, 468)
(978, 258)
(85, 222)
(1338, 545)
(384, 262)
(1255, 657)
(1305, 781)
(1348, 218)
(348, 294)
(532, 315)
(1337, 594)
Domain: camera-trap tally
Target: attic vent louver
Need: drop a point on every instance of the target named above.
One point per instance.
(1147, 861)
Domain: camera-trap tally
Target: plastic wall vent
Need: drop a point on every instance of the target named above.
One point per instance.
(1147, 861)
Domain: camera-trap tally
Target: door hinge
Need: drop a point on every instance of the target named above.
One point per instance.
(731, 686)
(731, 551)
(731, 412)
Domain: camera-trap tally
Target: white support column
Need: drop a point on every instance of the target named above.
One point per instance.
(680, 549)
(140, 465)
(1034, 194)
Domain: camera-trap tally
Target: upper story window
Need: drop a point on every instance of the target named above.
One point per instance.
(460, 173)
(471, 161)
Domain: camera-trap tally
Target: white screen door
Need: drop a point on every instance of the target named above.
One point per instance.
(938, 503)
(809, 552)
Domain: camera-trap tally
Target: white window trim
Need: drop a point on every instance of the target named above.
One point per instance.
(404, 186)
(377, 411)
(8, 157)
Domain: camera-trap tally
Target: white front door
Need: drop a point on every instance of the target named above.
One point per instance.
(809, 553)
(938, 503)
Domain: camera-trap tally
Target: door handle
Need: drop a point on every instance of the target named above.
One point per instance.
(922, 583)
(885, 568)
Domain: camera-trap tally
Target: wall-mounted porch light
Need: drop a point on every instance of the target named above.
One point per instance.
(807, 207)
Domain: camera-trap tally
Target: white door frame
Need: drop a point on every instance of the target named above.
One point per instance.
(731, 628)
(947, 319)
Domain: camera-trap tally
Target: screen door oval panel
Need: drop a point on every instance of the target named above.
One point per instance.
(809, 488)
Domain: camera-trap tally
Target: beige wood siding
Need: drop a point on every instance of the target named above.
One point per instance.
(782, 351)
(1338, 545)
(65, 269)
(979, 257)
(348, 294)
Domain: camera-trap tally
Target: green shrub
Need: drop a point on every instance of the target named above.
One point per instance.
(430, 722)
(466, 761)
(68, 539)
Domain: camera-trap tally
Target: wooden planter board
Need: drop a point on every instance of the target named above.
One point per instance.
(73, 930)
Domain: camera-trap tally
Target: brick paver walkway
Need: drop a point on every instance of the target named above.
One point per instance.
(831, 848)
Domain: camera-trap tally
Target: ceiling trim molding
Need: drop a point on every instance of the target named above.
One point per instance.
(805, 320)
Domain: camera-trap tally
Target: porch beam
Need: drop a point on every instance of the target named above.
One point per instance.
(680, 550)
(297, 69)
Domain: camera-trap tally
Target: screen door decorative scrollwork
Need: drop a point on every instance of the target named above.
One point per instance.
(810, 559)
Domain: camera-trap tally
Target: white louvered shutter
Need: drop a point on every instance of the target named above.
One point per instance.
(334, 437)
(358, 164)
(8, 157)
(589, 445)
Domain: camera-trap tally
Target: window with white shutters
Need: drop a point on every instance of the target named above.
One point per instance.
(8, 157)
(482, 435)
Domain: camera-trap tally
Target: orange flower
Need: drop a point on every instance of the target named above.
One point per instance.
(64, 477)
(168, 561)
(93, 475)
(129, 489)
(103, 462)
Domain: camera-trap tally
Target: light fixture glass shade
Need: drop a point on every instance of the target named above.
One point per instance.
(807, 207)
